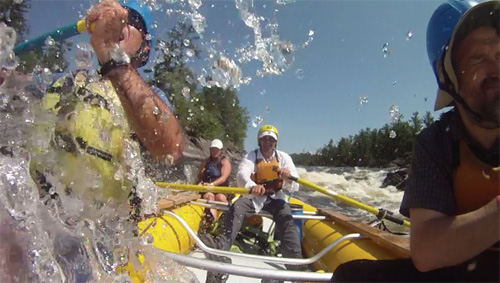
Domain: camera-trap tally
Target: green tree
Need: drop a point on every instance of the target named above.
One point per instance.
(13, 15)
(428, 119)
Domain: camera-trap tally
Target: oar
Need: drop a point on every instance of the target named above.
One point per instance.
(57, 34)
(204, 189)
(380, 213)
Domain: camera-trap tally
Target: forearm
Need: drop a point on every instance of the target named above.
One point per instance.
(154, 123)
(446, 241)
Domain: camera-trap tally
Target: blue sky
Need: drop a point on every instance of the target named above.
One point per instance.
(343, 62)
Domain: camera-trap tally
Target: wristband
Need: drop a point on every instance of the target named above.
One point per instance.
(110, 65)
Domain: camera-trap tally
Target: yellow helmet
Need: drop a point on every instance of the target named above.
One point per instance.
(268, 130)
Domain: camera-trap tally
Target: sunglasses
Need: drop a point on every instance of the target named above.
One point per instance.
(267, 139)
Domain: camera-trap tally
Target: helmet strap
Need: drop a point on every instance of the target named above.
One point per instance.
(141, 57)
(448, 86)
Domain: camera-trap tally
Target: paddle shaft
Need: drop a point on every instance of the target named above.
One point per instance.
(58, 34)
(381, 213)
(204, 189)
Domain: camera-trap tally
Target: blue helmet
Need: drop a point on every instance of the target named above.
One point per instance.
(449, 24)
(144, 11)
(441, 27)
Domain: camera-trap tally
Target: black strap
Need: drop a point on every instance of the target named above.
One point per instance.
(110, 65)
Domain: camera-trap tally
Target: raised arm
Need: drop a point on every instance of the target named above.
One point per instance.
(153, 121)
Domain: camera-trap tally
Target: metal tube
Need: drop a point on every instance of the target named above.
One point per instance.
(225, 208)
(292, 261)
(247, 271)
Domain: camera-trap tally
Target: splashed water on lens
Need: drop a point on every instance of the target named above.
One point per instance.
(49, 41)
(299, 74)
(256, 121)
(284, 2)
(394, 112)
(8, 59)
(409, 35)
(195, 4)
(83, 55)
(392, 134)
(224, 73)
(186, 92)
(385, 50)
(199, 22)
(119, 55)
(363, 100)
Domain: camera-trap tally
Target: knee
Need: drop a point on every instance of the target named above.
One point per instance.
(221, 198)
(209, 196)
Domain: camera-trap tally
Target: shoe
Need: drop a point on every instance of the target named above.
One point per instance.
(214, 277)
(208, 240)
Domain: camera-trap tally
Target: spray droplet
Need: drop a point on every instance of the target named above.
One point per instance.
(394, 83)
(185, 92)
(18, 1)
(363, 100)
(46, 76)
(148, 239)
(409, 35)
(156, 110)
(256, 121)
(284, 2)
(186, 42)
(311, 32)
(83, 55)
(394, 111)
(190, 52)
(299, 74)
(385, 50)
(49, 41)
(267, 109)
(392, 134)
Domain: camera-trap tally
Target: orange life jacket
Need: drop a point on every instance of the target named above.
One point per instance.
(475, 182)
(266, 173)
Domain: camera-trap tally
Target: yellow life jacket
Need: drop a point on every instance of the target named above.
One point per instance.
(266, 173)
(475, 182)
(90, 136)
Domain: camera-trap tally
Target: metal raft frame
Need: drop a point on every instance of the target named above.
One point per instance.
(246, 271)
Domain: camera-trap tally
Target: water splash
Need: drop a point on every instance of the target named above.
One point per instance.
(299, 73)
(49, 41)
(8, 59)
(392, 134)
(84, 54)
(224, 73)
(363, 99)
(256, 121)
(385, 50)
(409, 35)
(394, 112)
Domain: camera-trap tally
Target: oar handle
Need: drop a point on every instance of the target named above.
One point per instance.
(204, 189)
(380, 213)
(57, 34)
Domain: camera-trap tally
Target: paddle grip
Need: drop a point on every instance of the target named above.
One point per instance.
(269, 192)
(384, 214)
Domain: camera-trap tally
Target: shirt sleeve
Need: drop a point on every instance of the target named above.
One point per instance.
(430, 182)
(287, 162)
(245, 170)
